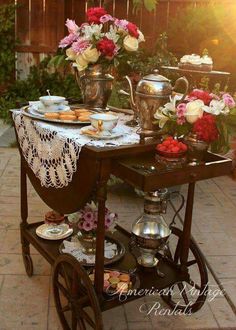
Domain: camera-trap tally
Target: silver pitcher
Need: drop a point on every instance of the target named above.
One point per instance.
(96, 87)
(152, 92)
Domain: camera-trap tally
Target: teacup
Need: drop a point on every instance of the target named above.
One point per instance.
(104, 122)
(49, 100)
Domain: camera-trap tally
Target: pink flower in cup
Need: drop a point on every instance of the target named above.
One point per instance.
(228, 100)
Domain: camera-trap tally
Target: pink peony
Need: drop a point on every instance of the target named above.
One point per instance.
(71, 26)
(106, 18)
(67, 41)
(80, 46)
(228, 100)
(87, 226)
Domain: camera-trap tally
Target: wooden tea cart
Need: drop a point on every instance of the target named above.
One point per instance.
(80, 303)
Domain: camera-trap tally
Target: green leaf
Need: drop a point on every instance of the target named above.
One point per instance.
(150, 4)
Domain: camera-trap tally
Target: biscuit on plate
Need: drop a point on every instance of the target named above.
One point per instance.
(79, 112)
(67, 117)
(69, 112)
(83, 118)
(51, 115)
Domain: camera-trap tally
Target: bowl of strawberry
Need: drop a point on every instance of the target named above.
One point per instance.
(171, 148)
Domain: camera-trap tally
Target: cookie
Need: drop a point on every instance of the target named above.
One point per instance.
(69, 112)
(124, 278)
(67, 117)
(51, 115)
(79, 112)
(106, 276)
(114, 273)
(83, 118)
(122, 287)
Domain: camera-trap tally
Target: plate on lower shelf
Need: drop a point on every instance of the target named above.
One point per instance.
(54, 232)
(76, 246)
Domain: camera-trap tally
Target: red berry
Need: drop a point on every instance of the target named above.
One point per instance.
(166, 143)
(175, 149)
(169, 138)
(175, 142)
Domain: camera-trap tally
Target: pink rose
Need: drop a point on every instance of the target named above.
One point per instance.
(228, 100)
(71, 26)
(121, 23)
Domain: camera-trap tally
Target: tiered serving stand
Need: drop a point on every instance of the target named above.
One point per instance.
(74, 293)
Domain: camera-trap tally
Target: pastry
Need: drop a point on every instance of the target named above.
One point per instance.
(106, 276)
(122, 287)
(207, 63)
(89, 132)
(51, 115)
(52, 217)
(79, 112)
(68, 117)
(83, 118)
(196, 62)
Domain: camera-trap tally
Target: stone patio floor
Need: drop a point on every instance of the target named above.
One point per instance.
(27, 303)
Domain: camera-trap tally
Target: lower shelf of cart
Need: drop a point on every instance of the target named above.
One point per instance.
(148, 279)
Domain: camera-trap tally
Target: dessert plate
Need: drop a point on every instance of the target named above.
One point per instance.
(32, 113)
(54, 232)
(92, 132)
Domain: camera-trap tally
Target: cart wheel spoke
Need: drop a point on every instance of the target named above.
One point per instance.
(190, 263)
(63, 290)
(65, 276)
(183, 292)
(192, 283)
(77, 288)
(66, 308)
(81, 324)
(195, 266)
(84, 315)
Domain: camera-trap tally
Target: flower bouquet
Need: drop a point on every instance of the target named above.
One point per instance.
(207, 117)
(87, 219)
(103, 39)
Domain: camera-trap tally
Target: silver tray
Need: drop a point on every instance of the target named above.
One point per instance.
(31, 113)
(120, 251)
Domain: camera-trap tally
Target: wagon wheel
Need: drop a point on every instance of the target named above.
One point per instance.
(75, 298)
(188, 295)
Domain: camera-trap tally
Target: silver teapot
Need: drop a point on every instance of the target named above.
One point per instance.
(152, 92)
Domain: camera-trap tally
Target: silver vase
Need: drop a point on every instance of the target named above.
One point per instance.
(96, 87)
(197, 149)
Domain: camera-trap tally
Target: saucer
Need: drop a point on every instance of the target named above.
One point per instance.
(91, 132)
(54, 232)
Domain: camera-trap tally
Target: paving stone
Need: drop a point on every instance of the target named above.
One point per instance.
(115, 319)
(53, 320)
(224, 266)
(12, 264)
(223, 313)
(21, 308)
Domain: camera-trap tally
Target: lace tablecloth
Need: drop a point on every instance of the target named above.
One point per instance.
(52, 151)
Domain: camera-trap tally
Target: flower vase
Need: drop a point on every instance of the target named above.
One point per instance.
(88, 240)
(197, 149)
(96, 86)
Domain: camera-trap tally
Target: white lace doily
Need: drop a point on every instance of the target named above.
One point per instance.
(52, 151)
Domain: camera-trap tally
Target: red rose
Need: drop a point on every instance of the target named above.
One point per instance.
(206, 128)
(201, 95)
(106, 47)
(94, 14)
(133, 30)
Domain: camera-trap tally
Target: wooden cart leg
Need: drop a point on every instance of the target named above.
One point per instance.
(185, 242)
(101, 198)
(24, 215)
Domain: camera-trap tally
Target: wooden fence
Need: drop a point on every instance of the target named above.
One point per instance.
(40, 24)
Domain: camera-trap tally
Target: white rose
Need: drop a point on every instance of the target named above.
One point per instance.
(90, 55)
(71, 54)
(131, 44)
(81, 63)
(194, 111)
